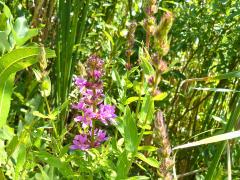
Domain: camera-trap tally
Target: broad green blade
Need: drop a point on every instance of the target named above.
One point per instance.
(10, 63)
(5, 98)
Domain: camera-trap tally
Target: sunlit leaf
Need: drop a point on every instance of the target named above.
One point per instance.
(130, 131)
(150, 161)
(160, 96)
(63, 167)
(132, 99)
(213, 139)
(10, 63)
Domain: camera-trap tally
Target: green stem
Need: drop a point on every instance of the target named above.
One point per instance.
(53, 124)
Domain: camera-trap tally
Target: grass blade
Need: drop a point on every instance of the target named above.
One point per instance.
(213, 139)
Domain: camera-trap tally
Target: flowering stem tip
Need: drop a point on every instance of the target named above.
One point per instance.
(91, 107)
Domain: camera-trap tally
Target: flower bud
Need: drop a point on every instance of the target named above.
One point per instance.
(46, 87)
(162, 66)
(161, 41)
(151, 81)
(149, 24)
(42, 58)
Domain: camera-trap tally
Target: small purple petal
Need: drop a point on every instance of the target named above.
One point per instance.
(81, 138)
(101, 135)
(80, 142)
(79, 118)
(97, 74)
(106, 113)
(79, 106)
(80, 82)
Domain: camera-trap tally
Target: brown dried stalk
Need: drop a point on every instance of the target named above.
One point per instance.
(165, 151)
(130, 43)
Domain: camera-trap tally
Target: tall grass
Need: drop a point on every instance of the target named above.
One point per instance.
(70, 32)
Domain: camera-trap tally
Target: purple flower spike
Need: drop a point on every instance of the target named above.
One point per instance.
(91, 107)
(80, 142)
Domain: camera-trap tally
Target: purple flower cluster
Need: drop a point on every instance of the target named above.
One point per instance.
(91, 107)
(83, 141)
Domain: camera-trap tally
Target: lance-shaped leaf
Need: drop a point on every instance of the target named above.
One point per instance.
(10, 63)
(213, 139)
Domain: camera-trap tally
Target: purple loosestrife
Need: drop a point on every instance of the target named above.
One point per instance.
(91, 107)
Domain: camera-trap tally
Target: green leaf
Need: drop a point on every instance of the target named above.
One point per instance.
(160, 96)
(46, 87)
(21, 27)
(234, 74)
(21, 32)
(4, 42)
(12, 146)
(38, 114)
(6, 133)
(132, 99)
(19, 59)
(63, 167)
(147, 148)
(10, 63)
(145, 62)
(130, 131)
(213, 139)
(43, 175)
(123, 164)
(147, 111)
(2, 176)
(150, 161)
(20, 160)
(38, 74)
(138, 178)
(216, 89)
(59, 109)
(220, 120)
(109, 37)
(6, 89)
(6, 10)
(116, 77)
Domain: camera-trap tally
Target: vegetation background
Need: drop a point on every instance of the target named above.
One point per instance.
(171, 70)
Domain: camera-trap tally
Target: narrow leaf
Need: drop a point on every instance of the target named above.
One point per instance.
(145, 62)
(5, 98)
(213, 139)
(146, 114)
(160, 96)
(150, 161)
(147, 148)
(130, 131)
(20, 160)
(216, 89)
(63, 167)
(132, 99)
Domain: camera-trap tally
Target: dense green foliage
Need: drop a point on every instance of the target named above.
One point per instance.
(170, 70)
